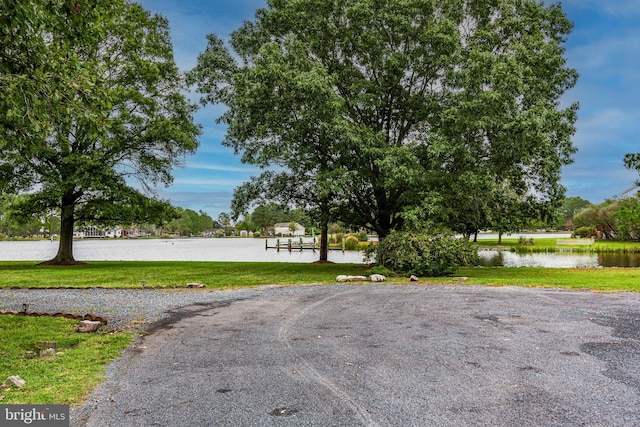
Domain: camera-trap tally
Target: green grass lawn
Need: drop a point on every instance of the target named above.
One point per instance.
(65, 378)
(596, 279)
(225, 275)
(130, 274)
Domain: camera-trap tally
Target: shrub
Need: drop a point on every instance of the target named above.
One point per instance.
(423, 254)
(362, 236)
(525, 241)
(381, 269)
(351, 243)
(584, 232)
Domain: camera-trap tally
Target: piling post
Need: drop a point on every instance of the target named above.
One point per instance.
(289, 245)
(278, 244)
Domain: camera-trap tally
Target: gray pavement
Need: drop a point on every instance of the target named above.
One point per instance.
(383, 355)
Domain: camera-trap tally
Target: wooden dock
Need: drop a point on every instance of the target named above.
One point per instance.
(297, 246)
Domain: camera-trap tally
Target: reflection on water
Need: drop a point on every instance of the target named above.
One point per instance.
(618, 260)
(169, 250)
(557, 260)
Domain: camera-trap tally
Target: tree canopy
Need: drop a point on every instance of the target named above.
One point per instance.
(189, 222)
(603, 218)
(378, 111)
(92, 104)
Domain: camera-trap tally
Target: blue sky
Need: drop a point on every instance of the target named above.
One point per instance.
(604, 47)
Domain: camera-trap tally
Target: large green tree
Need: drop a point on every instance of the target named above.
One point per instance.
(373, 109)
(283, 112)
(92, 102)
(503, 129)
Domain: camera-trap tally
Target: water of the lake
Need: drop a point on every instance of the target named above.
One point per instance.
(254, 250)
(553, 260)
(558, 260)
(169, 250)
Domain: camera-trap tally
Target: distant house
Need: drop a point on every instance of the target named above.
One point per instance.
(283, 229)
(115, 232)
(91, 231)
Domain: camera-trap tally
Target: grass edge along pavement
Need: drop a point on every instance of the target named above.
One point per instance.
(228, 275)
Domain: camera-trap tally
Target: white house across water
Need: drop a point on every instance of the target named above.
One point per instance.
(284, 229)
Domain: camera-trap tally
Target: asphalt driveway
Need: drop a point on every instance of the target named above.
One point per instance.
(383, 355)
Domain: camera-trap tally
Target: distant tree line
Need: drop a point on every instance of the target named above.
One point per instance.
(12, 224)
(266, 216)
(177, 221)
(614, 219)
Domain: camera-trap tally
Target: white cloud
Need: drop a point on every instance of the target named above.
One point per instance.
(211, 202)
(579, 181)
(607, 136)
(608, 119)
(206, 182)
(607, 55)
(207, 147)
(617, 8)
(223, 168)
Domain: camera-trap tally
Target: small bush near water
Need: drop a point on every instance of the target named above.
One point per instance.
(381, 269)
(423, 254)
(351, 243)
(585, 232)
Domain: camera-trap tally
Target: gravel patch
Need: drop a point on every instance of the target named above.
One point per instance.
(125, 309)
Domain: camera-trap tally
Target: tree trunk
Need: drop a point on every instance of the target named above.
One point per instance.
(499, 237)
(383, 227)
(324, 243)
(65, 248)
(381, 233)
